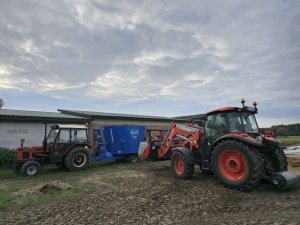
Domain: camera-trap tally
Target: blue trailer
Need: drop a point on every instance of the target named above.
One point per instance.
(117, 142)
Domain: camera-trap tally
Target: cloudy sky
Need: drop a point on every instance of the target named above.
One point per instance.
(168, 58)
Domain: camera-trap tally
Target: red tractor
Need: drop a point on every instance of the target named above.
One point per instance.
(66, 146)
(227, 143)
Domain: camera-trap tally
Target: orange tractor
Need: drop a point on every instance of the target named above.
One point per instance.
(226, 142)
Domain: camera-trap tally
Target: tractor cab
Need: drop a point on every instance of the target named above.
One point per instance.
(231, 121)
(61, 138)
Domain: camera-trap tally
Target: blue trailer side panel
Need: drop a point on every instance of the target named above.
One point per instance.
(115, 142)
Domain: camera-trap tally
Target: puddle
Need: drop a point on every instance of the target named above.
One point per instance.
(292, 150)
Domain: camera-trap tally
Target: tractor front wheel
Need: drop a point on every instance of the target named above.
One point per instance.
(236, 165)
(77, 159)
(31, 168)
(180, 167)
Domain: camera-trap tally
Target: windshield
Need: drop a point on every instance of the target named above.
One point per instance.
(235, 124)
(249, 123)
(52, 135)
(242, 122)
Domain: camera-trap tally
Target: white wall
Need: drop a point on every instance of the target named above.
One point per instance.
(12, 132)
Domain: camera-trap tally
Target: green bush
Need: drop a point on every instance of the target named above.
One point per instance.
(7, 158)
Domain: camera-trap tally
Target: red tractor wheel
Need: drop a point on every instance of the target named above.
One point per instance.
(232, 165)
(181, 168)
(236, 165)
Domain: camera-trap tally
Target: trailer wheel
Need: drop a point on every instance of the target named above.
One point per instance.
(237, 165)
(132, 158)
(77, 159)
(181, 169)
(31, 168)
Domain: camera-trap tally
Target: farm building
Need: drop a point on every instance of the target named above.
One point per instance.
(98, 119)
(30, 125)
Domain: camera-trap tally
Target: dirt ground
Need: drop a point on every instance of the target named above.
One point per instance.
(149, 194)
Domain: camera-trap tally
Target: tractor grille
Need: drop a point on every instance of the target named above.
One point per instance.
(25, 155)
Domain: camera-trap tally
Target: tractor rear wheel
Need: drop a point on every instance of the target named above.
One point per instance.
(180, 167)
(237, 165)
(77, 159)
(31, 168)
(278, 160)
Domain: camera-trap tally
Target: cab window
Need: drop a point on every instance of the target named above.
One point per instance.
(216, 122)
(63, 137)
(235, 123)
(78, 136)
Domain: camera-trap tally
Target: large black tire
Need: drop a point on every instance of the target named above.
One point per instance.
(279, 160)
(77, 159)
(237, 165)
(31, 168)
(180, 167)
(132, 158)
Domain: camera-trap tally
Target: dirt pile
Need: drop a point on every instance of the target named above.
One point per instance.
(48, 188)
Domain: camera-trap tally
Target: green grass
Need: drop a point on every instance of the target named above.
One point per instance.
(14, 189)
(290, 140)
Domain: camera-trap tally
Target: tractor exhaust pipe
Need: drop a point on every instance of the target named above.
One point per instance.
(284, 180)
(45, 138)
(22, 142)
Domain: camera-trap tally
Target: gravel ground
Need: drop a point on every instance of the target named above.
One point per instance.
(150, 195)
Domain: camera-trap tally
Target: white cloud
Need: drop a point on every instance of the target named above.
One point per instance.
(117, 83)
(217, 45)
(4, 71)
(95, 19)
(187, 56)
(161, 57)
(29, 48)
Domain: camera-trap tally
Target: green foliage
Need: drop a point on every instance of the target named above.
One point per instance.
(7, 158)
(288, 141)
(287, 130)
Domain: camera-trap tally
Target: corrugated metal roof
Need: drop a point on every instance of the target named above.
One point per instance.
(26, 114)
(191, 117)
(92, 114)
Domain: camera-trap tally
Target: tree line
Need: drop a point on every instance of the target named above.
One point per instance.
(287, 130)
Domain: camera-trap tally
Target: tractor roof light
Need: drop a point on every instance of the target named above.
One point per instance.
(254, 103)
(243, 101)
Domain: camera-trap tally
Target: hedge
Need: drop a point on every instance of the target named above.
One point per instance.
(7, 158)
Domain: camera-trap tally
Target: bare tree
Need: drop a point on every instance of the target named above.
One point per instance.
(1, 103)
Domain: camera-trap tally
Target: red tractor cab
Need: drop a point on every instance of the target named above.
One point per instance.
(66, 146)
